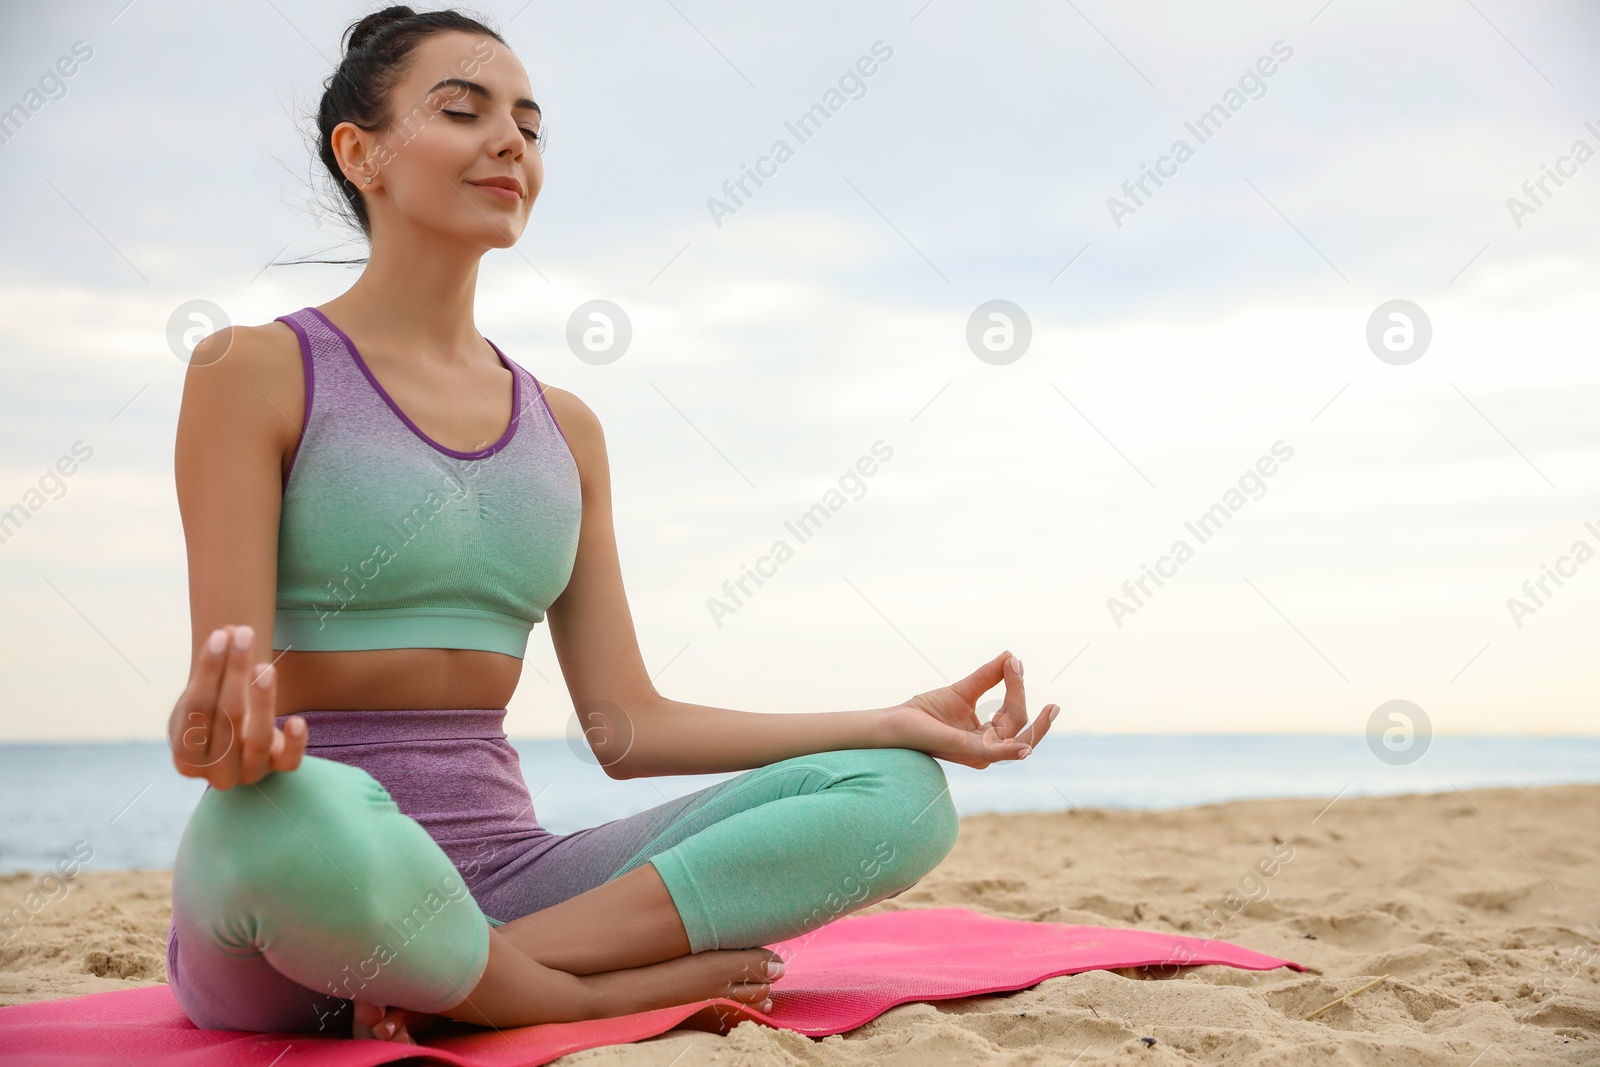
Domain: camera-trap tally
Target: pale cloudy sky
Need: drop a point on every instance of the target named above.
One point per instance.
(830, 311)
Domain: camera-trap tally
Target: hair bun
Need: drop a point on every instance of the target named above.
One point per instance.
(372, 24)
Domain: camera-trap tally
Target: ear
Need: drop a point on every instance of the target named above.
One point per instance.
(353, 150)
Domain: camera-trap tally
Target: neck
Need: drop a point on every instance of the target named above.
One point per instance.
(415, 295)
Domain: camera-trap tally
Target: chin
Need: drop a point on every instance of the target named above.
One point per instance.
(501, 239)
(498, 234)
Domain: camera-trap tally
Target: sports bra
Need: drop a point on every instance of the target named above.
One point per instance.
(388, 539)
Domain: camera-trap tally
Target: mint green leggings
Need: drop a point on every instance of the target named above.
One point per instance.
(302, 891)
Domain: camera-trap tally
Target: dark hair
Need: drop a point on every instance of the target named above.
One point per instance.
(377, 51)
(376, 54)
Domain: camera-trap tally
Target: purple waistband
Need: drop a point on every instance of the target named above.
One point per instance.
(452, 770)
(329, 728)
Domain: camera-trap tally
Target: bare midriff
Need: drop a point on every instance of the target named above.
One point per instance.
(394, 678)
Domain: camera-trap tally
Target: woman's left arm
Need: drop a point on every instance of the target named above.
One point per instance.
(636, 732)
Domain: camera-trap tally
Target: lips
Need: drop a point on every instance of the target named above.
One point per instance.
(508, 188)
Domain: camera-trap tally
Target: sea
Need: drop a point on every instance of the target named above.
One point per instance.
(126, 803)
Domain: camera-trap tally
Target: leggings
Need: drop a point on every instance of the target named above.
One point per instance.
(377, 867)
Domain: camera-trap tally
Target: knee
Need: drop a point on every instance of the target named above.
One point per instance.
(917, 821)
(312, 825)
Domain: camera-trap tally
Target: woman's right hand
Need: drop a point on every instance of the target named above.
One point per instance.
(222, 728)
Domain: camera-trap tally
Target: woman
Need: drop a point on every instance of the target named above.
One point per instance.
(350, 482)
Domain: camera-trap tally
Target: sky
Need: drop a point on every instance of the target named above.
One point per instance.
(1212, 344)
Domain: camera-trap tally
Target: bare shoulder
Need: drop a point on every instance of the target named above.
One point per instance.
(250, 376)
(251, 350)
(581, 427)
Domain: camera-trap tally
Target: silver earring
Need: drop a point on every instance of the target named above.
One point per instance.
(367, 179)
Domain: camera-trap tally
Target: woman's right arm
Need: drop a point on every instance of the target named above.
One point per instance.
(243, 401)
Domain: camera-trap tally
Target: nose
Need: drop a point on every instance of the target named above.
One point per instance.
(510, 142)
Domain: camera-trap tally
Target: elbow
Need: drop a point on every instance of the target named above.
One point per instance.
(632, 764)
(621, 758)
(615, 738)
(616, 771)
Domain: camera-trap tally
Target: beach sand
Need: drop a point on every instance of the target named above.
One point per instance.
(1481, 907)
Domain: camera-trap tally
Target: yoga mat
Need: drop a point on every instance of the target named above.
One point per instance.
(836, 978)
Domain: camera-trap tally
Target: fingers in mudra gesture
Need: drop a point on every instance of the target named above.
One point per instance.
(222, 727)
(944, 722)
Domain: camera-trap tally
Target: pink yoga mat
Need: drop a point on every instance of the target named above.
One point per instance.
(836, 978)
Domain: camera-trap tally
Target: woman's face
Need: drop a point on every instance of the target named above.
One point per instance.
(463, 115)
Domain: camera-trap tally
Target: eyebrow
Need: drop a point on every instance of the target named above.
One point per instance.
(523, 104)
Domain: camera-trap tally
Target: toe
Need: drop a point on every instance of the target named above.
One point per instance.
(749, 992)
(367, 1014)
(764, 965)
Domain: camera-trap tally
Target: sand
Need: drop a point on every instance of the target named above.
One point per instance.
(1481, 907)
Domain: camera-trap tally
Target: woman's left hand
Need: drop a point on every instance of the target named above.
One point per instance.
(944, 722)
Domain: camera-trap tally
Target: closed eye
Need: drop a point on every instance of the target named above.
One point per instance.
(533, 135)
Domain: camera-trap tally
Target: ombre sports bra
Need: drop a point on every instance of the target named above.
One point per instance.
(388, 539)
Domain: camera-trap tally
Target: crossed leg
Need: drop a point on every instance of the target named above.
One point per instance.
(665, 907)
(773, 853)
(302, 895)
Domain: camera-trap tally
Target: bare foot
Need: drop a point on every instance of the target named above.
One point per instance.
(382, 1023)
(745, 975)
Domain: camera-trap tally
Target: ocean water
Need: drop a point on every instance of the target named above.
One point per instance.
(125, 801)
